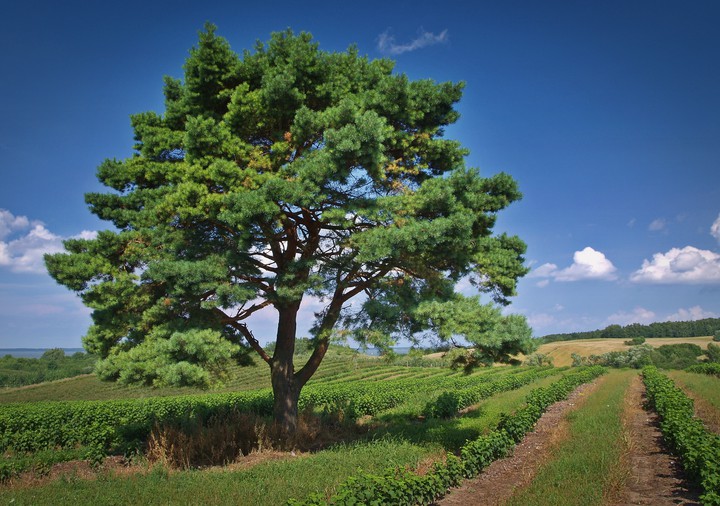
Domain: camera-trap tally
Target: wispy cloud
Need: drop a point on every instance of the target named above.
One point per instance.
(28, 241)
(386, 42)
(637, 315)
(587, 264)
(691, 314)
(715, 229)
(657, 225)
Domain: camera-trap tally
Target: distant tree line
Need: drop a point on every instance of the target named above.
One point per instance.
(52, 365)
(706, 327)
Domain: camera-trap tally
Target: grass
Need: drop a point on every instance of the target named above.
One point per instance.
(451, 434)
(402, 442)
(561, 351)
(269, 483)
(585, 469)
(705, 390)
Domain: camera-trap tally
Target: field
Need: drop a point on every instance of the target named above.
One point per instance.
(372, 431)
(561, 351)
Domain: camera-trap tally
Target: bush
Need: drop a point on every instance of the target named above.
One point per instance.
(539, 360)
(716, 337)
(635, 341)
(676, 356)
(713, 353)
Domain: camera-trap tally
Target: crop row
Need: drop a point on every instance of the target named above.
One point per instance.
(450, 402)
(403, 487)
(368, 398)
(119, 425)
(698, 448)
(710, 368)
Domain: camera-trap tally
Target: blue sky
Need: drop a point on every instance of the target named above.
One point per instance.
(607, 114)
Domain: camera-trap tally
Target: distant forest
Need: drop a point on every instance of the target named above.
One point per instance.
(53, 365)
(706, 327)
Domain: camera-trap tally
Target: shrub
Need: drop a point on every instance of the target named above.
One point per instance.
(635, 341)
(713, 353)
(539, 360)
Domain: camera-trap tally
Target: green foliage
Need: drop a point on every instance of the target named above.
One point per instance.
(667, 356)
(112, 426)
(403, 487)
(539, 360)
(710, 368)
(676, 356)
(695, 328)
(450, 402)
(635, 341)
(636, 357)
(713, 353)
(275, 174)
(716, 336)
(53, 365)
(493, 336)
(698, 448)
(186, 358)
(577, 360)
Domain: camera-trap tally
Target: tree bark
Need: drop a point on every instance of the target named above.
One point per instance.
(286, 390)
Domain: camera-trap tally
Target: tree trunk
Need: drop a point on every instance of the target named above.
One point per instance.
(286, 390)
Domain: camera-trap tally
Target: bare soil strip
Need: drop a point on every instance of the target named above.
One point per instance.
(497, 483)
(655, 477)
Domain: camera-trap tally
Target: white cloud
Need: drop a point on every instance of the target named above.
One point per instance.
(386, 42)
(688, 265)
(587, 264)
(10, 223)
(638, 315)
(715, 229)
(690, 314)
(657, 225)
(25, 252)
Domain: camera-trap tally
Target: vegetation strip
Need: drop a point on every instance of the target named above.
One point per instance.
(589, 455)
(704, 390)
(122, 426)
(710, 368)
(699, 449)
(654, 476)
(402, 487)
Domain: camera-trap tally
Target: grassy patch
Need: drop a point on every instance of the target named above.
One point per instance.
(584, 468)
(702, 385)
(705, 390)
(451, 434)
(270, 483)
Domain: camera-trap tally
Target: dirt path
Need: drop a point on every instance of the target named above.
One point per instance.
(496, 484)
(655, 477)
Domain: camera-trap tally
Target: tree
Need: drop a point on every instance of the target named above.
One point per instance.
(285, 173)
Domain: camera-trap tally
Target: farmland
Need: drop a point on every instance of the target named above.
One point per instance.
(561, 351)
(373, 431)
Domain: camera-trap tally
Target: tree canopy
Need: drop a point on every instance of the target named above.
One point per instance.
(283, 173)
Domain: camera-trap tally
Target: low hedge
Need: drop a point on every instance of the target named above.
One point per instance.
(698, 448)
(710, 368)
